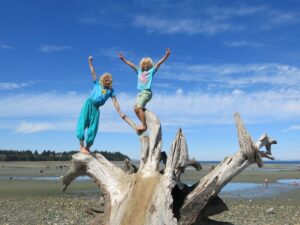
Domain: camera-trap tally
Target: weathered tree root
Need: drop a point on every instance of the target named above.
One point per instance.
(147, 196)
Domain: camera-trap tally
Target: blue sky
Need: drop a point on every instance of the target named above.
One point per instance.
(226, 57)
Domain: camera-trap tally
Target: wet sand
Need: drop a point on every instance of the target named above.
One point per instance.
(42, 201)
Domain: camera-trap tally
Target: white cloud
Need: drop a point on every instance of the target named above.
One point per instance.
(162, 85)
(194, 108)
(277, 99)
(237, 92)
(27, 127)
(227, 13)
(278, 18)
(6, 47)
(292, 128)
(191, 17)
(179, 91)
(29, 113)
(199, 18)
(266, 17)
(105, 15)
(52, 111)
(40, 105)
(234, 75)
(53, 48)
(109, 52)
(89, 20)
(12, 85)
(186, 26)
(242, 44)
(33, 127)
(112, 52)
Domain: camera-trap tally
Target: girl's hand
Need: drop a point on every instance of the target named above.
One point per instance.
(168, 52)
(121, 56)
(122, 116)
(90, 58)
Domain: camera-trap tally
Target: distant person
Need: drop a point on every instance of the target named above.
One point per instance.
(89, 115)
(266, 182)
(145, 74)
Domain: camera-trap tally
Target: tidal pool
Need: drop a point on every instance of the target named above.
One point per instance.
(46, 178)
(231, 190)
(294, 182)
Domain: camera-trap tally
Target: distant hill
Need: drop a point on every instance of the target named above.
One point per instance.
(47, 155)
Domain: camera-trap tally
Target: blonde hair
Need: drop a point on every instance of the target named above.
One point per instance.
(148, 59)
(101, 79)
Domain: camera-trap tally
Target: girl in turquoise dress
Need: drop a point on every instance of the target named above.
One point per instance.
(90, 112)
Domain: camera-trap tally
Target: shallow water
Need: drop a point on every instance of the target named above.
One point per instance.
(294, 182)
(258, 190)
(48, 178)
(231, 190)
(254, 190)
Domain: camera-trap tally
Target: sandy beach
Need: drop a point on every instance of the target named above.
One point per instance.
(30, 193)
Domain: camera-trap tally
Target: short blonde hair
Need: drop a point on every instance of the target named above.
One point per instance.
(149, 60)
(101, 79)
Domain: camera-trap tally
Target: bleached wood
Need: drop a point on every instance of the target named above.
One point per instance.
(148, 196)
(210, 185)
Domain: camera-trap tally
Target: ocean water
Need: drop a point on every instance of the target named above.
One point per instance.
(270, 162)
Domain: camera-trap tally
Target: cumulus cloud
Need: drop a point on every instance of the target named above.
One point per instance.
(196, 108)
(234, 75)
(51, 111)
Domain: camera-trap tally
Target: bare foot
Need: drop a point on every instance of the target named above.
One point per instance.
(141, 128)
(84, 151)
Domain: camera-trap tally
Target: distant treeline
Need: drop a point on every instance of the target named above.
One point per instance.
(46, 155)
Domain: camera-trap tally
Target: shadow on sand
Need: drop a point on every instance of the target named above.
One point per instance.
(208, 221)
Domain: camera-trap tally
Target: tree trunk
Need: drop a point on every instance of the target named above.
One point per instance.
(150, 196)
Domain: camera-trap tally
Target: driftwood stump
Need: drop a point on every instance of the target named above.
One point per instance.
(148, 195)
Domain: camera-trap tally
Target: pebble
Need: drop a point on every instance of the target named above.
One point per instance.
(270, 210)
(66, 210)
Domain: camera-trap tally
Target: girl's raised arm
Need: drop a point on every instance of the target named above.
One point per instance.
(92, 68)
(164, 58)
(121, 56)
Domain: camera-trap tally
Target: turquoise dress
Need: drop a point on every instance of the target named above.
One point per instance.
(90, 113)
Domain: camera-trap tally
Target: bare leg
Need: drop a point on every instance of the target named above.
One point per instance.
(87, 147)
(82, 148)
(141, 115)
